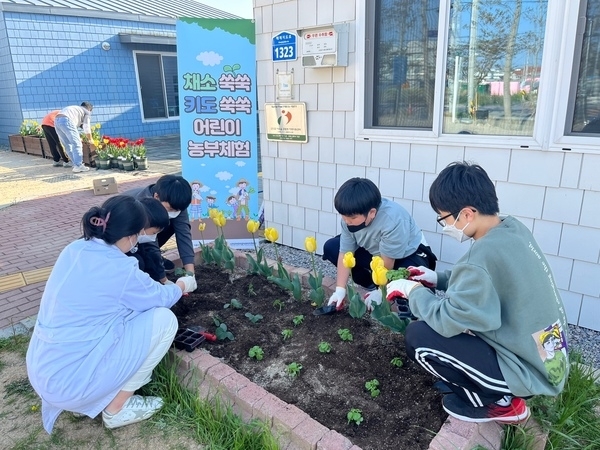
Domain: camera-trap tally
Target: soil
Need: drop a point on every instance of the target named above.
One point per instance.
(405, 415)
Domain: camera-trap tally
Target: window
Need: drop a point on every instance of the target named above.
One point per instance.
(404, 63)
(493, 66)
(489, 85)
(585, 110)
(157, 76)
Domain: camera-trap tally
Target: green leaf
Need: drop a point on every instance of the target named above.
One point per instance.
(317, 296)
(357, 307)
(384, 315)
(236, 67)
(297, 287)
(284, 284)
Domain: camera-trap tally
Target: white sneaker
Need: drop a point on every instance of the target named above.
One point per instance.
(67, 164)
(57, 164)
(81, 168)
(135, 409)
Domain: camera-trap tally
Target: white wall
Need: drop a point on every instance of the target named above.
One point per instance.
(556, 194)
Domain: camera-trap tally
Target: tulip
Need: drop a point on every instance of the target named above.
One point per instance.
(377, 261)
(252, 226)
(213, 212)
(379, 276)
(271, 234)
(349, 261)
(219, 220)
(310, 244)
(201, 226)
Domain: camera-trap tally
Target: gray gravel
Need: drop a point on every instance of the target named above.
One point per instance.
(584, 340)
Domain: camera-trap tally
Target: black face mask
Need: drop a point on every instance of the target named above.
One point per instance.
(355, 228)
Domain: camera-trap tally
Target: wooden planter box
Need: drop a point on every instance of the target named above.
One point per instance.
(33, 145)
(46, 149)
(16, 143)
(89, 155)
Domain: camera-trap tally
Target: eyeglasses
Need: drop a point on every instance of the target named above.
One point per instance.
(442, 220)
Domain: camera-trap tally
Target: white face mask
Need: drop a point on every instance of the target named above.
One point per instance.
(133, 248)
(145, 238)
(173, 214)
(452, 231)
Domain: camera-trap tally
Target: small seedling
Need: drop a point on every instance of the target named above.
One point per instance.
(324, 347)
(254, 318)
(251, 290)
(345, 334)
(287, 333)
(372, 386)
(355, 415)
(234, 303)
(278, 304)
(294, 369)
(181, 272)
(222, 333)
(298, 320)
(256, 352)
(397, 362)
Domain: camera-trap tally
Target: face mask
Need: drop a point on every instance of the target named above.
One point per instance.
(133, 248)
(173, 214)
(452, 231)
(355, 228)
(145, 238)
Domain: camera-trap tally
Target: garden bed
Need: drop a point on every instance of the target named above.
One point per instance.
(407, 413)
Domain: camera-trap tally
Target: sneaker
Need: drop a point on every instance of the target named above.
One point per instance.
(57, 164)
(135, 409)
(67, 164)
(169, 265)
(516, 411)
(81, 168)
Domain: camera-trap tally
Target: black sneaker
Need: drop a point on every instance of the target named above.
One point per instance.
(515, 412)
(168, 265)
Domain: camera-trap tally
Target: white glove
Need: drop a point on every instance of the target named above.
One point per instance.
(168, 282)
(422, 274)
(189, 282)
(337, 297)
(400, 288)
(373, 297)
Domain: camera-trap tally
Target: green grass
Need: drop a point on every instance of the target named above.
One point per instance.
(212, 424)
(572, 419)
(17, 343)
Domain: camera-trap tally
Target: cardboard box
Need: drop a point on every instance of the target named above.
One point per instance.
(104, 186)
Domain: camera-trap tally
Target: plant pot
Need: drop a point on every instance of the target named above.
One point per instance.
(46, 149)
(33, 146)
(103, 164)
(89, 155)
(187, 340)
(16, 143)
(142, 163)
(114, 163)
(128, 165)
(120, 161)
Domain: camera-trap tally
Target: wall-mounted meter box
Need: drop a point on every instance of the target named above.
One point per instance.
(325, 46)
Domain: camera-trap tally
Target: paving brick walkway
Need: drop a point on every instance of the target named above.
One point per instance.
(40, 213)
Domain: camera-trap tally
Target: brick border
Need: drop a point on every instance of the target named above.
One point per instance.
(294, 429)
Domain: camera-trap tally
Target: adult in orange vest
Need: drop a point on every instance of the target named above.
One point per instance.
(56, 149)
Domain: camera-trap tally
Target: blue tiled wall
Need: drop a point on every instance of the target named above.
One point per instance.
(58, 61)
(10, 110)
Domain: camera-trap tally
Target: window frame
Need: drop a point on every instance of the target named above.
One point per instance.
(164, 88)
(548, 114)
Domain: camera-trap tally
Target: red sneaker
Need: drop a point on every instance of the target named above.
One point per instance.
(516, 412)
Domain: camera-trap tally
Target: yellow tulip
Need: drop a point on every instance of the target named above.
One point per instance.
(349, 261)
(252, 226)
(271, 234)
(310, 244)
(201, 226)
(219, 220)
(377, 261)
(379, 276)
(213, 212)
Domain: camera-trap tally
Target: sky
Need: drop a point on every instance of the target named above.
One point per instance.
(242, 8)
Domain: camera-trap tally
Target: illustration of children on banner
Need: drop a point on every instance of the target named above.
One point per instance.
(243, 198)
(195, 209)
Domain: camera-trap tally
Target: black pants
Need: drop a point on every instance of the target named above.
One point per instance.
(467, 364)
(361, 273)
(54, 144)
